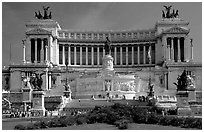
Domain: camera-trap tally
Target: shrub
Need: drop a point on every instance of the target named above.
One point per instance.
(175, 121)
(166, 121)
(69, 120)
(31, 126)
(192, 123)
(152, 118)
(122, 124)
(19, 127)
(81, 119)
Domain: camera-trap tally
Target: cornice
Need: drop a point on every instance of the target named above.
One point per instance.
(43, 24)
(184, 64)
(176, 30)
(38, 31)
(102, 41)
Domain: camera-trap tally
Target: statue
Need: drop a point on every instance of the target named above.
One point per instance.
(67, 87)
(38, 15)
(50, 15)
(45, 12)
(36, 81)
(182, 82)
(190, 81)
(151, 90)
(107, 46)
(168, 13)
(163, 14)
(46, 16)
(26, 82)
(176, 14)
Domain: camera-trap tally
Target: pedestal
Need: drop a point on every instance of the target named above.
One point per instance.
(182, 104)
(191, 93)
(27, 96)
(38, 108)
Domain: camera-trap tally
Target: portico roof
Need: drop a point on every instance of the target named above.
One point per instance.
(38, 31)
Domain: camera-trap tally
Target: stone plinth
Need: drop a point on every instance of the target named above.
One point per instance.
(38, 108)
(182, 104)
(27, 94)
(191, 93)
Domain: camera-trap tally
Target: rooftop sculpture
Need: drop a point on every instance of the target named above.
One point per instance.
(46, 16)
(168, 13)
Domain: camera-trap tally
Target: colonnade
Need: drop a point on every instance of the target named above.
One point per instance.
(174, 53)
(40, 48)
(128, 55)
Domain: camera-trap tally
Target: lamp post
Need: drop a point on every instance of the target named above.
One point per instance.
(150, 86)
(67, 92)
(66, 63)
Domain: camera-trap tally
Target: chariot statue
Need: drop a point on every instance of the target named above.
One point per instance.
(168, 13)
(46, 16)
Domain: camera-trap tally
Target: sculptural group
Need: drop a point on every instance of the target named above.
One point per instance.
(168, 13)
(46, 16)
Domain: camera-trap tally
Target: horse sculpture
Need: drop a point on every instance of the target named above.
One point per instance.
(37, 81)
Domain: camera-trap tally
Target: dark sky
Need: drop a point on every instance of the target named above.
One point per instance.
(93, 16)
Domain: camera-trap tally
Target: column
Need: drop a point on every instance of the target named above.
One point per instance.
(49, 55)
(144, 54)
(98, 55)
(80, 54)
(103, 52)
(191, 42)
(169, 52)
(86, 55)
(126, 55)
(185, 49)
(179, 50)
(24, 53)
(42, 51)
(63, 53)
(150, 49)
(49, 81)
(115, 55)
(132, 54)
(69, 58)
(172, 49)
(164, 43)
(165, 81)
(46, 51)
(138, 54)
(121, 55)
(28, 50)
(36, 61)
(92, 55)
(74, 54)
